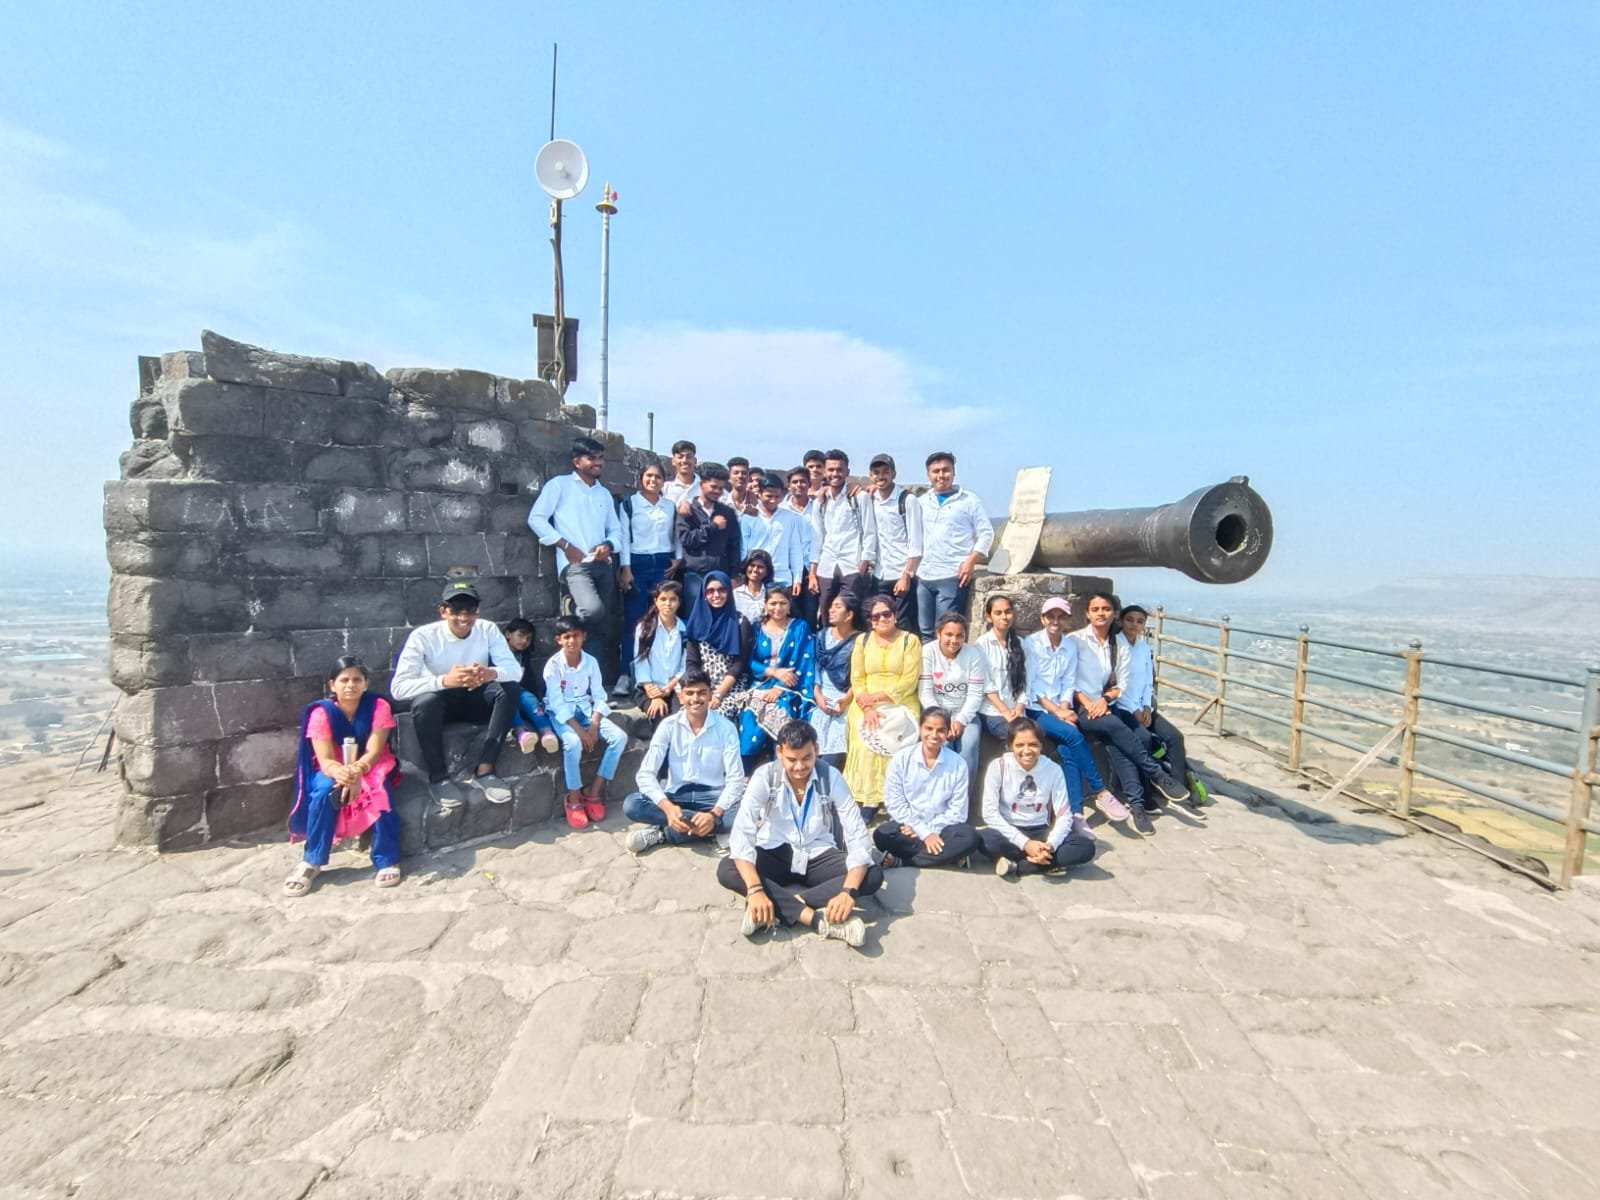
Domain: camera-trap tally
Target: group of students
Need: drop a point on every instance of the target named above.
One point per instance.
(726, 664)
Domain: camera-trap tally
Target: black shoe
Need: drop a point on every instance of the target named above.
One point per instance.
(1169, 787)
(1142, 821)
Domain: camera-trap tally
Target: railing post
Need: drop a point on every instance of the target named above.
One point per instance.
(1297, 713)
(1408, 743)
(1578, 806)
(1222, 671)
(1155, 652)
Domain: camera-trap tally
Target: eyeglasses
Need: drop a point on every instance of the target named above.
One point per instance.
(883, 615)
(716, 589)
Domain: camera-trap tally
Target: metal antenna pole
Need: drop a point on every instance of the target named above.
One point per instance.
(554, 51)
(607, 207)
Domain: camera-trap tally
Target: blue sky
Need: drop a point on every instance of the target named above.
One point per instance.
(1352, 251)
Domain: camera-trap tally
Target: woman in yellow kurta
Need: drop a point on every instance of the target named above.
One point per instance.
(884, 669)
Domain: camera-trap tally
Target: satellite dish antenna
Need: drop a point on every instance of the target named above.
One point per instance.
(561, 169)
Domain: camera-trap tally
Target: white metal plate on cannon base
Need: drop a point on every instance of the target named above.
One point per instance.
(1018, 539)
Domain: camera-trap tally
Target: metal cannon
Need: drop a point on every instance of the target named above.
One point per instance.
(1217, 534)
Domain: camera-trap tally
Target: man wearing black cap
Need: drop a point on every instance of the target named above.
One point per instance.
(459, 668)
(898, 517)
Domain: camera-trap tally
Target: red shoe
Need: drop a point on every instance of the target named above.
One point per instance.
(595, 807)
(576, 817)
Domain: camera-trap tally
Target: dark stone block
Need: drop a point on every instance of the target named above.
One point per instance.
(167, 556)
(522, 553)
(251, 706)
(316, 650)
(248, 808)
(237, 362)
(536, 797)
(266, 754)
(483, 553)
(443, 512)
(138, 663)
(472, 390)
(278, 508)
(411, 798)
(149, 373)
(169, 506)
(241, 459)
(422, 600)
(297, 554)
(509, 515)
(224, 658)
(326, 603)
(470, 471)
(144, 606)
(304, 417)
(348, 466)
(482, 819)
(362, 381)
(581, 415)
(169, 770)
(165, 822)
(183, 364)
(354, 510)
(487, 434)
(204, 406)
(526, 399)
(441, 827)
(550, 438)
(366, 423)
(150, 459)
(170, 716)
(420, 427)
(539, 596)
(148, 416)
(405, 556)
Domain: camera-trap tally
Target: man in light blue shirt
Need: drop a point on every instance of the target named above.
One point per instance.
(578, 517)
(705, 775)
(781, 532)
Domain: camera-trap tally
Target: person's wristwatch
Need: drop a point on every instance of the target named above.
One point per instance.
(853, 893)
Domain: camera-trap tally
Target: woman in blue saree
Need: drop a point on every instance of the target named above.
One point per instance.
(342, 778)
(782, 675)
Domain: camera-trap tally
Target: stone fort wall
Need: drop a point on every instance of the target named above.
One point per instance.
(277, 511)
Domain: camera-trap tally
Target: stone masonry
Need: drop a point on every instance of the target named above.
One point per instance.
(278, 511)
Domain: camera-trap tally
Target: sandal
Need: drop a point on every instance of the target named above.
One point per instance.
(387, 877)
(300, 880)
(594, 806)
(889, 862)
(576, 817)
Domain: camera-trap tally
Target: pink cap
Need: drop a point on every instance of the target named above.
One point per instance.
(1055, 604)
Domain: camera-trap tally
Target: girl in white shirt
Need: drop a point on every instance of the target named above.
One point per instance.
(1028, 820)
(649, 550)
(750, 596)
(1006, 667)
(954, 677)
(659, 660)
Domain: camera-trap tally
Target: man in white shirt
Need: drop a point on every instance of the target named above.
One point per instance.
(684, 484)
(1136, 695)
(926, 791)
(705, 775)
(799, 852)
(897, 516)
(781, 532)
(459, 668)
(956, 532)
(578, 517)
(799, 502)
(844, 539)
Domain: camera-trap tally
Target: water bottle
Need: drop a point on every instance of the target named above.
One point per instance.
(347, 751)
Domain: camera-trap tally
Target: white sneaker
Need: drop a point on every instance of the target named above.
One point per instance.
(750, 926)
(448, 793)
(853, 932)
(1004, 866)
(494, 788)
(643, 838)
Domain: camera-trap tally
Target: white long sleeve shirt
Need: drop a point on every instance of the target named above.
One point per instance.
(1136, 674)
(929, 799)
(772, 816)
(709, 758)
(1052, 670)
(899, 537)
(843, 534)
(665, 662)
(1095, 672)
(1018, 803)
(570, 689)
(431, 650)
(950, 531)
(649, 528)
(955, 685)
(997, 677)
(677, 492)
(785, 535)
(583, 513)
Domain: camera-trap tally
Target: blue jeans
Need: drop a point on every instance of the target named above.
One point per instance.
(531, 714)
(1077, 762)
(691, 797)
(694, 583)
(967, 746)
(572, 750)
(648, 570)
(935, 597)
(321, 815)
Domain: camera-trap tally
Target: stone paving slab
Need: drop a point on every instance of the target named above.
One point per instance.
(1272, 999)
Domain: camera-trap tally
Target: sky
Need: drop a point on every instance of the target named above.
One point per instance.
(1351, 251)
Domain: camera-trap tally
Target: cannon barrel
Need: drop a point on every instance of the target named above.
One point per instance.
(1218, 534)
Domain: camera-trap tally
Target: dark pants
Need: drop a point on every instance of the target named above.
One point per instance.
(1176, 758)
(804, 606)
(642, 702)
(1077, 763)
(852, 585)
(1075, 849)
(692, 798)
(592, 588)
(789, 892)
(905, 604)
(960, 840)
(935, 597)
(648, 570)
(1128, 751)
(492, 705)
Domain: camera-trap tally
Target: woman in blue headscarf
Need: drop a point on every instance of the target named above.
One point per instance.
(718, 641)
(342, 778)
(782, 675)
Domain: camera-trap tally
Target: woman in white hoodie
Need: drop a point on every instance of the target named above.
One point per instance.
(1027, 817)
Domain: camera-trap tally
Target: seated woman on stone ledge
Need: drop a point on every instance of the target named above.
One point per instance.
(342, 778)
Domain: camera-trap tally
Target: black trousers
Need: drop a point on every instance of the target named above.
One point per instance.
(492, 705)
(960, 840)
(1163, 731)
(905, 605)
(852, 585)
(1075, 849)
(789, 892)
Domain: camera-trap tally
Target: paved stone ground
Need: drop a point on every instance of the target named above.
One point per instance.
(1245, 1005)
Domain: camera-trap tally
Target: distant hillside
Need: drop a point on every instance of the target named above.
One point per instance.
(1563, 607)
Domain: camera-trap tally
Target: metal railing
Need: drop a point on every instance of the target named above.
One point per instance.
(1215, 682)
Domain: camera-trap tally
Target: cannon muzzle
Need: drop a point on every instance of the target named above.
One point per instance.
(1218, 534)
